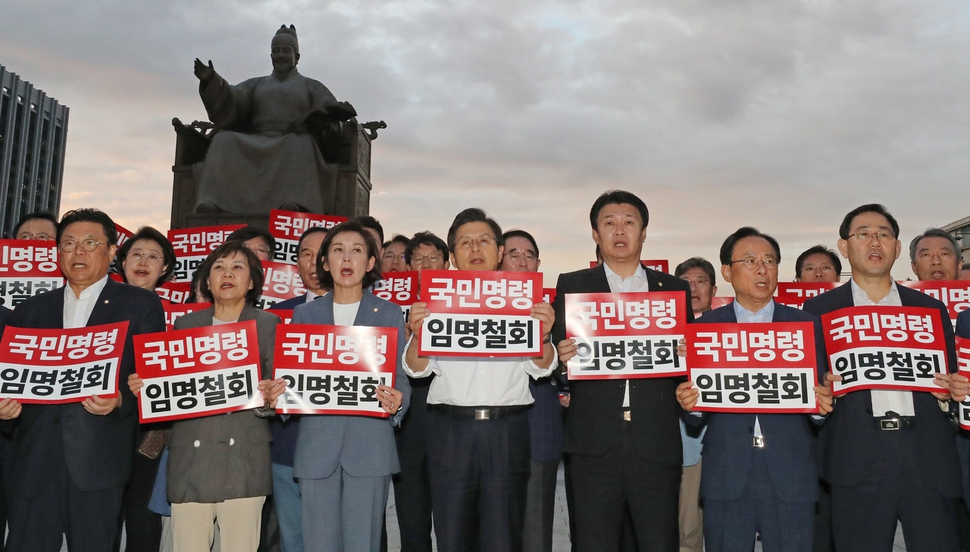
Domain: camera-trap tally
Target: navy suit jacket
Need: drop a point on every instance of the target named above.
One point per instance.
(789, 446)
(98, 448)
(595, 412)
(362, 446)
(853, 447)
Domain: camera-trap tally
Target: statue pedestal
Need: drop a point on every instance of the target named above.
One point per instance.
(352, 179)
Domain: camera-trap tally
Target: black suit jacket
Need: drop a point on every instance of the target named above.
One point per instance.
(854, 449)
(98, 448)
(593, 422)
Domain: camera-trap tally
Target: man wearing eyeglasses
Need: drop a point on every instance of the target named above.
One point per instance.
(393, 258)
(623, 436)
(478, 443)
(818, 264)
(545, 419)
(759, 470)
(36, 226)
(412, 485)
(889, 455)
(70, 462)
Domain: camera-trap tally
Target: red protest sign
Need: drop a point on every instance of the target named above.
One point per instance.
(400, 288)
(548, 295)
(175, 292)
(879, 347)
(794, 294)
(963, 361)
(480, 313)
(198, 371)
(334, 369)
(54, 366)
(28, 268)
(287, 227)
(193, 245)
(281, 281)
(174, 311)
(762, 367)
(625, 335)
(955, 294)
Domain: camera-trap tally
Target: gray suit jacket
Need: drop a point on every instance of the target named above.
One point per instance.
(224, 456)
(363, 446)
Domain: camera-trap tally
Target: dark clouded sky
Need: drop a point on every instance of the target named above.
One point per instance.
(721, 113)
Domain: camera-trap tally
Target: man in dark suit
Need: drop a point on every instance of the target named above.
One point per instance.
(889, 455)
(623, 435)
(758, 474)
(70, 462)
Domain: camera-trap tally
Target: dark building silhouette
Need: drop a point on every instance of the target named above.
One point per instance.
(33, 136)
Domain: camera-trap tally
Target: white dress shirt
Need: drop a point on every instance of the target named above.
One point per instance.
(900, 402)
(480, 381)
(744, 316)
(78, 308)
(636, 282)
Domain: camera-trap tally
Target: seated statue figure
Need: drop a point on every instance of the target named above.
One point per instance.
(274, 135)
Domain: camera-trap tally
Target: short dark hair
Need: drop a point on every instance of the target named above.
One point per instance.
(934, 233)
(229, 249)
(247, 233)
(473, 214)
(96, 216)
(425, 238)
(150, 234)
(868, 208)
(696, 262)
(965, 266)
(817, 250)
(309, 232)
(521, 234)
(398, 238)
(373, 275)
(618, 197)
(727, 248)
(42, 215)
(367, 221)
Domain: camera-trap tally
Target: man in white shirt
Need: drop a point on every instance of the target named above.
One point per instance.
(889, 455)
(478, 445)
(70, 462)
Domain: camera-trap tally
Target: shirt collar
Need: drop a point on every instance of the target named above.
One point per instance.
(765, 314)
(640, 273)
(94, 290)
(860, 297)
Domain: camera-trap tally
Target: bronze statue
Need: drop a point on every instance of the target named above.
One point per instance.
(275, 141)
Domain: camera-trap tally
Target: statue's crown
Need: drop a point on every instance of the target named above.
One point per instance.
(288, 35)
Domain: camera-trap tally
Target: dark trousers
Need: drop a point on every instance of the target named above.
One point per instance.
(540, 507)
(604, 485)
(864, 516)
(412, 496)
(479, 471)
(88, 518)
(143, 528)
(731, 525)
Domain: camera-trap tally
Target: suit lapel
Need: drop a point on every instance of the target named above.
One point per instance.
(327, 312)
(104, 306)
(367, 311)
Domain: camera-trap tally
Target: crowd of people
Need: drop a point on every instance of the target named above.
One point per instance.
(473, 445)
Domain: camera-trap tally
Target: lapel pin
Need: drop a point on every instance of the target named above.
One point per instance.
(375, 309)
(105, 301)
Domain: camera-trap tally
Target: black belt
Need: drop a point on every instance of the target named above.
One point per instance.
(480, 413)
(895, 423)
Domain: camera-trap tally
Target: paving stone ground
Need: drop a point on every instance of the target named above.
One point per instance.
(560, 530)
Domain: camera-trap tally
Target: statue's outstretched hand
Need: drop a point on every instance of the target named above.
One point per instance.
(203, 71)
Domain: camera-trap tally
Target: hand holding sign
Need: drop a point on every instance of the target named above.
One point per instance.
(687, 395)
(10, 409)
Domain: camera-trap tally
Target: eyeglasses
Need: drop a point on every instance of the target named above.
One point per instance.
(522, 254)
(866, 236)
(481, 242)
(752, 263)
(36, 236)
(150, 257)
(819, 268)
(392, 257)
(433, 259)
(68, 246)
(700, 282)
